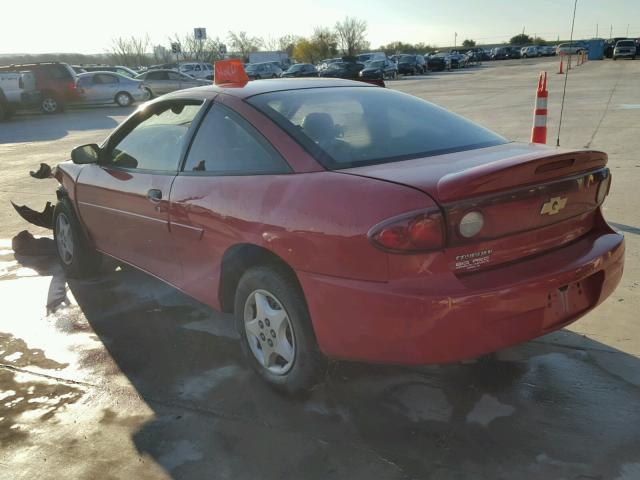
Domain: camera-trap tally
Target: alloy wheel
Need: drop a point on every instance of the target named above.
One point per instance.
(64, 239)
(50, 105)
(269, 332)
(123, 99)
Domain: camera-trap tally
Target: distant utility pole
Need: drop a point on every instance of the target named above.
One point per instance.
(596, 31)
(455, 39)
(610, 32)
(627, 30)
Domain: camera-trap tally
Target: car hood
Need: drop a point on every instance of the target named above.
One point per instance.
(453, 176)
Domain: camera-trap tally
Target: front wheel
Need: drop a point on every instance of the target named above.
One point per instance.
(275, 330)
(77, 257)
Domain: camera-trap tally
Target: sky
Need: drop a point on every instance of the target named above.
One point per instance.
(90, 26)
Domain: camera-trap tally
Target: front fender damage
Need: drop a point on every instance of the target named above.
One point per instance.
(45, 217)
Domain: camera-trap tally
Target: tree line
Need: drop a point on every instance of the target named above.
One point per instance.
(347, 37)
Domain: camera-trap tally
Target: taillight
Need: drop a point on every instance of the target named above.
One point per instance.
(414, 232)
(603, 189)
(72, 85)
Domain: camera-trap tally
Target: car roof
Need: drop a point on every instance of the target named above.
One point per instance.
(266, 86)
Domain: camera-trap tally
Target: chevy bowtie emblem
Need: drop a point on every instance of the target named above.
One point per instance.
(553, 206)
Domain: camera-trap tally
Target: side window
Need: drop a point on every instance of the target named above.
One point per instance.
(104, 79)
(197, 68)
(226, 144)
(157, 141)
(176, 76)
(156, 76)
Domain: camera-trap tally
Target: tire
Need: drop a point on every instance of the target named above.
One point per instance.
(280, 290)
(150, 93)
(123, 99)
(50, 103)
(274, 76)
(615, 58)
(77, 257)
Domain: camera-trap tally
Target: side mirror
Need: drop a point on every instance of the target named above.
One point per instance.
(89, 153)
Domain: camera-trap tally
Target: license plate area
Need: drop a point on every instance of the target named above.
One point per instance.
(572, 299)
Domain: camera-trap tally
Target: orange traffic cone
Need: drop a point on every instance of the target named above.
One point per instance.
(560, 71)
(539, 130)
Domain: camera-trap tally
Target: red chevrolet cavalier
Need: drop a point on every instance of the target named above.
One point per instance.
(342, 220)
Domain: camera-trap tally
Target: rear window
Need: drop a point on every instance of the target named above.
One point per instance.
(354, 126)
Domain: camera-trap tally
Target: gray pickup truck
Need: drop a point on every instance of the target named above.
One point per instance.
(17, 90)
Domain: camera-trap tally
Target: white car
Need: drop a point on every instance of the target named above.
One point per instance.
(625, 49)
(17, 89)
(570, 48)
(199, 70)
(531, 51)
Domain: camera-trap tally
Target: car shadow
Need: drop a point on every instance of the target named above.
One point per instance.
(34, 127)
(563, 406)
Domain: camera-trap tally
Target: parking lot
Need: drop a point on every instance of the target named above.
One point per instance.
(129, 378)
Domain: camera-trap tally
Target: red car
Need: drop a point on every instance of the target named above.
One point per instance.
(55, 81)
(342, 220)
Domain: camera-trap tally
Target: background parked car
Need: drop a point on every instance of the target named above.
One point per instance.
(625, 49)
(610, 45)
(438, 62)
(366, 57)
(159, 82)
(17, 90)
(326, 62)
(458, 60)
(55, 81)
(120, 69)
(109, 87)
(342, 70)
(411, 64)
(197, 69)
(572, 48)
(379, 69)
(530, 51)
(300, 70)
(257, 71)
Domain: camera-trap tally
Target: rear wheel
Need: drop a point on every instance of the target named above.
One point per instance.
(77, 257)
(50, 104)
(275, 330)
(149, 93)
(123, 99)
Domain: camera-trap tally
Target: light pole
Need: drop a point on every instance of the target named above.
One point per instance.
(455, 39)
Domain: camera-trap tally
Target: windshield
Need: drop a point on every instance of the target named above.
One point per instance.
(406, 58)
(376, 64)
(335, 66)
(355, 126)
(251, 67)
(295, 68)
(626, 43)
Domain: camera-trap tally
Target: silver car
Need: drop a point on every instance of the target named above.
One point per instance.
(625, 49)
(109, 87)
(159, 82)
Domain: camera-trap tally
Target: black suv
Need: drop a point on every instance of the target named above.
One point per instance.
(411, 64)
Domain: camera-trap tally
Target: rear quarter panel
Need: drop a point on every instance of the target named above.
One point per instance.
(315, 222)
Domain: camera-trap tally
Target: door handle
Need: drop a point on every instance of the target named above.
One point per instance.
(154, 195)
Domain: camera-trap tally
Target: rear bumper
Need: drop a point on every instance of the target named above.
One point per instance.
(408, 322)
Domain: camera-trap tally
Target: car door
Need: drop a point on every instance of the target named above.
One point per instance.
(227, 157)
(108, 86)
(157, 82)
(123, 200)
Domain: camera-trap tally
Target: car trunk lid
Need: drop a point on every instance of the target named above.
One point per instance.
(532, 197)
